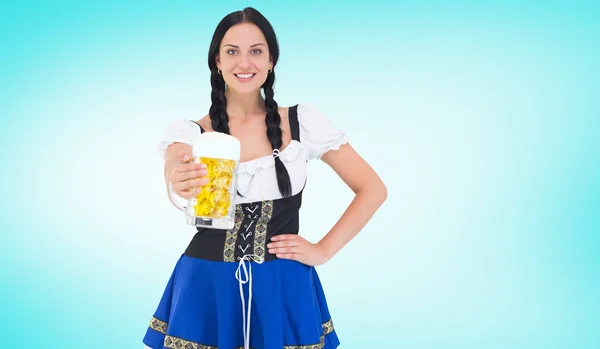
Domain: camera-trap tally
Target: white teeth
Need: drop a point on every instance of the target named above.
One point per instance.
(244, 76)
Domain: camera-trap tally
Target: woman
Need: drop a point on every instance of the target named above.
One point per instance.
(261, 272)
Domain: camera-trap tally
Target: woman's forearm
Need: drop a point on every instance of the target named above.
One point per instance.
(353, 220)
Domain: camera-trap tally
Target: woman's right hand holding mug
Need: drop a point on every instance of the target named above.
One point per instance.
(187, 178)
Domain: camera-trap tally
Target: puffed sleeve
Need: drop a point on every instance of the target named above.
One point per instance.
(179, 131)
(318, 132)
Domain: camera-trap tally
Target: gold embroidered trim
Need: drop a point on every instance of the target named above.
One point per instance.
(328, 327)
(172, 342)
(231, 237)
(260, 236)
(178, 343)
(157, 325)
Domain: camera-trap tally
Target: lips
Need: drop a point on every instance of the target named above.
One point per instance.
(244, 75)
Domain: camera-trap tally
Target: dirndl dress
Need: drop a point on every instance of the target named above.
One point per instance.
(227, 291)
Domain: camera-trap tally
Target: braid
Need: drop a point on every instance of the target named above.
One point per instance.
(273, 121)
(218, 109)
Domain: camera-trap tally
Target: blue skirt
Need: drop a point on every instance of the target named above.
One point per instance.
(202, 307)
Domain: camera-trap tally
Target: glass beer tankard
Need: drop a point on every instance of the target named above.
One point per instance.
(214, 206)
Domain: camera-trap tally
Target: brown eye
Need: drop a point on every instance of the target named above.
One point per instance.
(257, 51)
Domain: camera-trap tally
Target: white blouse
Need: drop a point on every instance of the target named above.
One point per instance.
(257, 179)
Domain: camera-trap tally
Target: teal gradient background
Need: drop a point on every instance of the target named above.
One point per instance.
(483, 119)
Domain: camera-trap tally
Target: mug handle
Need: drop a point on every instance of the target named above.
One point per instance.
(173, 199)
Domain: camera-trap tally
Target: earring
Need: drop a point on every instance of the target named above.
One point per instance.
(219, 71)
(270, 71)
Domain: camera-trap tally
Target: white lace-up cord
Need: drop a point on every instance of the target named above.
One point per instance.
(242, 279)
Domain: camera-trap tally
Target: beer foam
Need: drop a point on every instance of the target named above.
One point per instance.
(217, 145)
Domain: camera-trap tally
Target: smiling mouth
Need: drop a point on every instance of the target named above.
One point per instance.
(244, 75)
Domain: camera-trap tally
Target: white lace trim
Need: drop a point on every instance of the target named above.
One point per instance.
(289, 154)
(335, 145)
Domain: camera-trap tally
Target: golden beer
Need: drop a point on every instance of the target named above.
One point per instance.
(214, 200)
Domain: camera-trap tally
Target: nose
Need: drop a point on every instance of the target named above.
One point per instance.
(244, 61)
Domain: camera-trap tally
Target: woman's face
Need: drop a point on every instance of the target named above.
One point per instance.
(244, 58)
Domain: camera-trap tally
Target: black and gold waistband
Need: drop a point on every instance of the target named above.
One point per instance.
(255, 224)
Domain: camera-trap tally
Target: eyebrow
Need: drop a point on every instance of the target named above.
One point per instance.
(234, 46)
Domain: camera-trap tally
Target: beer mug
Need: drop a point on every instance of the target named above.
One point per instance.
(214, 206)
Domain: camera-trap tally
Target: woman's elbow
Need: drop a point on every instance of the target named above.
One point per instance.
(382, 192)
(375, 188)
